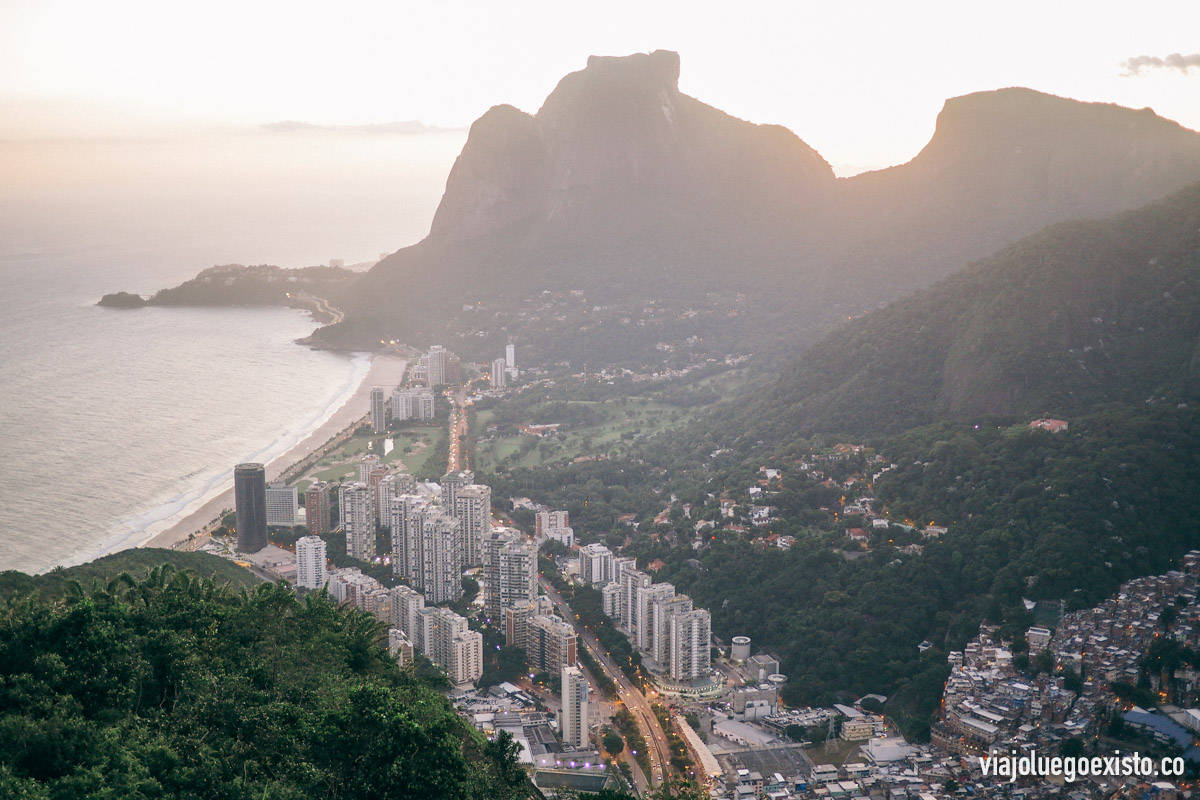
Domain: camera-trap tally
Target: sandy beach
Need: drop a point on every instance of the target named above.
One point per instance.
(385, 370)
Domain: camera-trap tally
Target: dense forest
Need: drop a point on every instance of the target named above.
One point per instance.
(175, 686)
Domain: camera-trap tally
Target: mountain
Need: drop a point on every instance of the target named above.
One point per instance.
(625, 189)
(1082, 316)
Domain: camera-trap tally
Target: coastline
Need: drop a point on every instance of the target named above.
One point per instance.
(385, 370)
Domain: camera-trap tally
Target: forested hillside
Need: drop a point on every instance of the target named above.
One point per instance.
(177, 687)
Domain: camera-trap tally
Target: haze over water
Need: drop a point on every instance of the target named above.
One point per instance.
(115, 422)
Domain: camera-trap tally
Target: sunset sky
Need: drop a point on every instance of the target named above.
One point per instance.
(861, 82)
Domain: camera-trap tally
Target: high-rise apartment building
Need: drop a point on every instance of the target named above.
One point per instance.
(441, 558)
(691, 634)
(643, 616)
(407, 519)
(378, 409)
(310, 562)
(574, 708)
(661, 613)
(437, 366)
(451, 483)
(318, 511)
(596, 564)
(473, 509)
(357, 516)
(281, 505)
(407, 604)
(450, 644)
(250, 503)
(498, 374)
(368, 462)
(551, 643)
(517, 575)
(631, 581)
(516, 623)
(412, 404)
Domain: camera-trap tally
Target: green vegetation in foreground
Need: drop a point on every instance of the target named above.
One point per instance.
(138, 562)
(176, 686)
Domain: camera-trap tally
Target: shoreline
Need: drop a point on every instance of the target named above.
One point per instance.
(385, 370)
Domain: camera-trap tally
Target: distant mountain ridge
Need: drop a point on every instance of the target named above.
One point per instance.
(1080, 317)
(620, 182)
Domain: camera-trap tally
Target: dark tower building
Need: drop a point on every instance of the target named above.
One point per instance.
(250, 498)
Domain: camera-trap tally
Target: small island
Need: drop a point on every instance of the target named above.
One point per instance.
(122, 300)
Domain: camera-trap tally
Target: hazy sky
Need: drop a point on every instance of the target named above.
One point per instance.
(860, 81)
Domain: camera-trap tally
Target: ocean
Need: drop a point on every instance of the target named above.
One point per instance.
(115, 423)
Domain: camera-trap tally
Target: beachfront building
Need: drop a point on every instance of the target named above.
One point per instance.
(412, 404)
(378, 409)
(318, 511)
(357, 518)
(574, 725)
(250, 503)
(310, 562)
(437, 374)
(281, 505)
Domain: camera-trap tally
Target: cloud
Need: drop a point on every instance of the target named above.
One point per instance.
(1134, 66)
(409, 128)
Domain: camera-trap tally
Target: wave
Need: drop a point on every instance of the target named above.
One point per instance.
(140, 528)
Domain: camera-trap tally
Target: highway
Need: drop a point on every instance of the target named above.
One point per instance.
(635, 701)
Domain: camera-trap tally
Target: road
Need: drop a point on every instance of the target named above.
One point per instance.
(635, 701)
(458, 432)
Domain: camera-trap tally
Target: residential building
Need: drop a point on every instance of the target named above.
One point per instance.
(516, 623)
(596, 564)
(310, 562)
(551, 644)
(441, 558)
(357, 517)
(574, 725)
(318, 511)
(250, 503)
(473, 509)
(378, 410)
(407, 513)
(691, 635)
(399, 647)
(660, 636)
(407, 604)
(281, 505)
(453, 481)
(498, 374)
(642, 619)
(548, 520)
(437, 366)
(366, 463)
(517, 574)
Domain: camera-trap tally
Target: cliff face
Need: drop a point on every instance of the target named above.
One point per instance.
(616, 141)
(620, 182)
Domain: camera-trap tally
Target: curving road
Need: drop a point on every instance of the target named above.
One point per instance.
(635, 701)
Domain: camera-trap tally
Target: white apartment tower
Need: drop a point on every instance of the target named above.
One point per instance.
(437, 365)
(690, 637)
(517, 574)
(662, 612)
(498, 373)
(574, 708)
(643, 616)
(441, 558)
(473, 510)
(407, 513)
(378, 410)
(451, 483)
(357, 516)
(310, 562)
(282, 502)
(596, 564)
